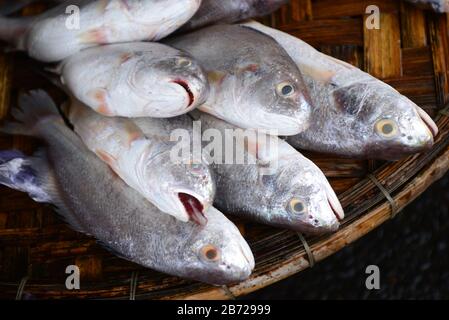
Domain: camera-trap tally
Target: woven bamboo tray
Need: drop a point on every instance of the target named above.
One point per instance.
(408, 52)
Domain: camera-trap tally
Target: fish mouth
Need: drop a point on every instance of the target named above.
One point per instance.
(186, 87)
(193, 207)
(428, 121)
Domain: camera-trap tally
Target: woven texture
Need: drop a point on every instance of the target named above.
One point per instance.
(408, 52)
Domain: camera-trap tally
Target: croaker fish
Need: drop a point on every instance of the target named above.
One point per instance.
(55, 35)
(354, 114)
(295, 195)
(95, 201)
(230, 11)
(437, 5)
(184, 191)
(253, 82)
(135, 80)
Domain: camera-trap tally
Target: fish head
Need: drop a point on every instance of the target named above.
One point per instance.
(304, 200)
(391, 126)
(279, 98)
(185, 190)
(218, 254)
(172, 85)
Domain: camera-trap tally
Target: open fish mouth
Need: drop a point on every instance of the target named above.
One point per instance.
(189, 92)
(428, 121)
(193, 208)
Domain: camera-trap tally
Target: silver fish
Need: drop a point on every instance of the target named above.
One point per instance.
(184, 191)
(79, 24)
(294, 195)
(355, 114)
(230, 11)
(95, 201)
(135, 80)
(437, 5)
(253, 82)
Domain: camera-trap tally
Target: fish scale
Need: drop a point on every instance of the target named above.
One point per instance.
(102, 22)
(248, 74)
(351, 108)
(97, 202)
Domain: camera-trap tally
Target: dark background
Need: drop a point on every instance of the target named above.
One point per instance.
(412, 252)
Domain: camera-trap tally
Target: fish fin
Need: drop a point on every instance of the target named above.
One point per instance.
(34, 176)
(100, 95)
(17, 172)
(108, 159)
(95, 36)
(48, 183)
(320, 75)
(33, 108)
(216, 77)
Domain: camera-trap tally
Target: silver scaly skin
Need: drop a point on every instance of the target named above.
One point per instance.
(296, 195)
(51, 36)
(144, 163)
(230, 11)
(135, 79)
(95, 201)
(253, 82)
(355, 115)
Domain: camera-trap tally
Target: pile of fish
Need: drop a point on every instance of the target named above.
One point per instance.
(111, 173)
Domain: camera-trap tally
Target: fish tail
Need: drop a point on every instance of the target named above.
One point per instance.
(19, 172)
(33, 109)
(34, 176)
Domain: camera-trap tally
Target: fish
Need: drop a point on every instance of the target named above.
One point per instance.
(135, 80)
(355, 115)
(210, 11)
(437, 5)
(182, 190)
(95, 201)
(230, 11)
(79, 24)
(254, 84)
(274, 186)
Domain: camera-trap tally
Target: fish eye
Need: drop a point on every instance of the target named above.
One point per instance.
(386, 128)
(285, 89)
(296, 206)
(210, 253)
(183, 62)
